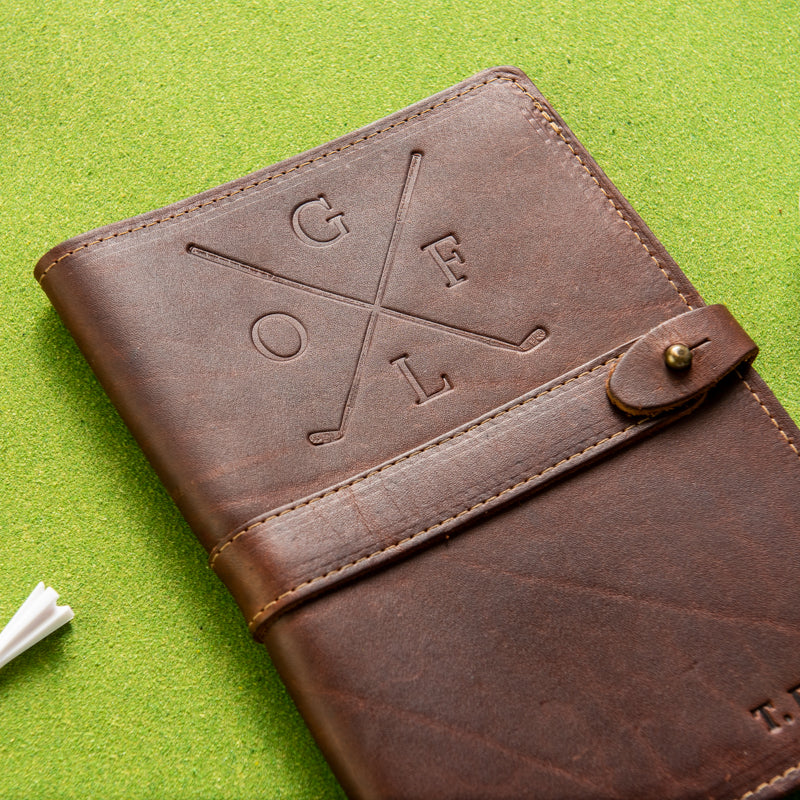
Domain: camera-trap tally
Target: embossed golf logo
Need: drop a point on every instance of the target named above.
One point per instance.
(319, 222)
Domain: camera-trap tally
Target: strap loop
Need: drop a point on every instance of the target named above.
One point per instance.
(649, 379)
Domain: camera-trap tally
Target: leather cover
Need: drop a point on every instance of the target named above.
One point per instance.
(408, 389)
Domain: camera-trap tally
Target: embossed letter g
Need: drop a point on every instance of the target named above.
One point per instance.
(317, 220)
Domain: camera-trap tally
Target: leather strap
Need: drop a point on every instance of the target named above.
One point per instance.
(297, 551)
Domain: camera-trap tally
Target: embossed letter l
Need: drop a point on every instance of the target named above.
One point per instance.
(422, 395)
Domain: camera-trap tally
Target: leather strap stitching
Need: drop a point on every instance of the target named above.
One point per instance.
(253, 621)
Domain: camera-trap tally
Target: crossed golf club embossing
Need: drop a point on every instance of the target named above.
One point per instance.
(376, 307)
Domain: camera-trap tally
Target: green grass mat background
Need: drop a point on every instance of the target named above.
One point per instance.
(109, 109)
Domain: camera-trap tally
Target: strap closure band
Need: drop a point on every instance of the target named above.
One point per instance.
(298, 551)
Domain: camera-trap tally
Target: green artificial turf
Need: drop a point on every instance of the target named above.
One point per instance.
(109, 109)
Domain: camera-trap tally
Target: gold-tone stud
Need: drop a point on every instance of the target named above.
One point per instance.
(678, 356)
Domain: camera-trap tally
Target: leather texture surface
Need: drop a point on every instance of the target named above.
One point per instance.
(628, 631)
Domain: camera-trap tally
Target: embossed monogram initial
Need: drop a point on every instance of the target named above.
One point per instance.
(279, 337)
(422, 396)
(775, 719)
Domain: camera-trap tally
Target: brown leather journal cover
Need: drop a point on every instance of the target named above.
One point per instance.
(409, 391)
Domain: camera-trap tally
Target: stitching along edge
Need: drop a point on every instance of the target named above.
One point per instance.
(620, 211)
(270, 178)
(771, 782)
(786, 438)
(424, 449)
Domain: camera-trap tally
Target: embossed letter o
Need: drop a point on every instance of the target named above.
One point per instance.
(279, 337)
